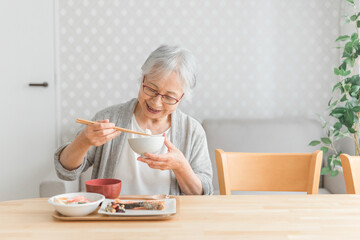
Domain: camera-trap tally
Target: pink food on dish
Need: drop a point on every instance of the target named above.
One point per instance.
(74, 200)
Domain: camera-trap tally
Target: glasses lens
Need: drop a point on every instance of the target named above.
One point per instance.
(168, 100)
(149, 91)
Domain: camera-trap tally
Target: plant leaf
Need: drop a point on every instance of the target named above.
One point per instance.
(329, 159)
(356, 109)
(333, 104)
(338, 85)
(355, 89)
(347, 87)
(330, 101)
(346, 54)
(355, 80)
(348, 48)
(350, 61)
(338, 112)
(353, 17)
(314, 143)
(324, 149)
(351, 130)
(343, 66)
(343, 99)
(350, 1)
(337, 163)
(325, 170)
(334, 173)
(338, 155)
(349, 118)
(344, 73)
(326, 140)
(337, 125)
(352, 102)
(356, 42)
(343, 38)
(354, 36)
(336, 71)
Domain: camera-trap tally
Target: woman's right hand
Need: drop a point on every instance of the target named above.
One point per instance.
(99, 133)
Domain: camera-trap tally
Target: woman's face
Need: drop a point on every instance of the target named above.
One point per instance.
(154, 107)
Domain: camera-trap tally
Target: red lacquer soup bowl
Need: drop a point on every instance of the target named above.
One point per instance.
(109, 187)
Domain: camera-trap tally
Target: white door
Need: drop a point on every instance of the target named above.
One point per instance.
(27, 136)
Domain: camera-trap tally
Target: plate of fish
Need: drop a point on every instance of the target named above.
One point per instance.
(131, 207)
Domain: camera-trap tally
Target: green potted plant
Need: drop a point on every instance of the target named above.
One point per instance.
(344, 105)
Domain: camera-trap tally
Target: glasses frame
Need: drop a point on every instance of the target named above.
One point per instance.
(162, 95)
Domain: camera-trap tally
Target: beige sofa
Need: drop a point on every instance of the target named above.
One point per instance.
(241, 135)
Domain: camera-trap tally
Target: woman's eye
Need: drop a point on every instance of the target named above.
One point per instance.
(168, 98)
(153, 90)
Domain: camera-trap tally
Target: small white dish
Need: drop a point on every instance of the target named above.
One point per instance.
(142, 145)
(77, 210)
(170, 208)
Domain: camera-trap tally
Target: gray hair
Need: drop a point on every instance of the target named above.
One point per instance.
(167, 59)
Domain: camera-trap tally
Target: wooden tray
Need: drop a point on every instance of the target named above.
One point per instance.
(95, 216)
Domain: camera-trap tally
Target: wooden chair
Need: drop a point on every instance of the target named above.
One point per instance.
(351, 169)
(296, 172)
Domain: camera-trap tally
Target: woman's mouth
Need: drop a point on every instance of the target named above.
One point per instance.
(154, 111)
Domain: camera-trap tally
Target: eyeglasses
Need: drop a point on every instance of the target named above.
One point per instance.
(164, 98)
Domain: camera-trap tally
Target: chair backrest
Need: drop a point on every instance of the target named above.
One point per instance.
(288, 135)
(296, 172)
(351, 170)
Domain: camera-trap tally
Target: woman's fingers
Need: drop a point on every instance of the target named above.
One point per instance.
(103, 121)
(158, 157)
(101, 132)
(97, 140)
(101, 126)
(104, 132)
(174, 159)
(167, 142)
(155, 164)
(112, 135)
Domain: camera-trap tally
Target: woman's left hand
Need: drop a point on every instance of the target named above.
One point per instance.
(173, 159)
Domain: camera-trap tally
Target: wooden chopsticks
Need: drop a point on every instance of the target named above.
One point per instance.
(86, 122)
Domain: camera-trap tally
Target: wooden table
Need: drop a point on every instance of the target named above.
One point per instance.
(200, 217)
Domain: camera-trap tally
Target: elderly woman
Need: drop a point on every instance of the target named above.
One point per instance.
(182, 166)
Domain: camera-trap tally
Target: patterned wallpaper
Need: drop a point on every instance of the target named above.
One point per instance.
(256, 59)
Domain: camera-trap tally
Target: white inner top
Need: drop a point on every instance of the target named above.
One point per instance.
(137, 178)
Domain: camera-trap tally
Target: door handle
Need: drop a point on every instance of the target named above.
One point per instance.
(44, 84)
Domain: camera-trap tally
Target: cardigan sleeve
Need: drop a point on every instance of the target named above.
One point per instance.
(200, 160)
(71, 175)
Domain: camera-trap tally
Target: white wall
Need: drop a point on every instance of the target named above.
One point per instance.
(257, 59)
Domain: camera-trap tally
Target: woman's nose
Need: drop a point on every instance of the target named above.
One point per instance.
(157, 100)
